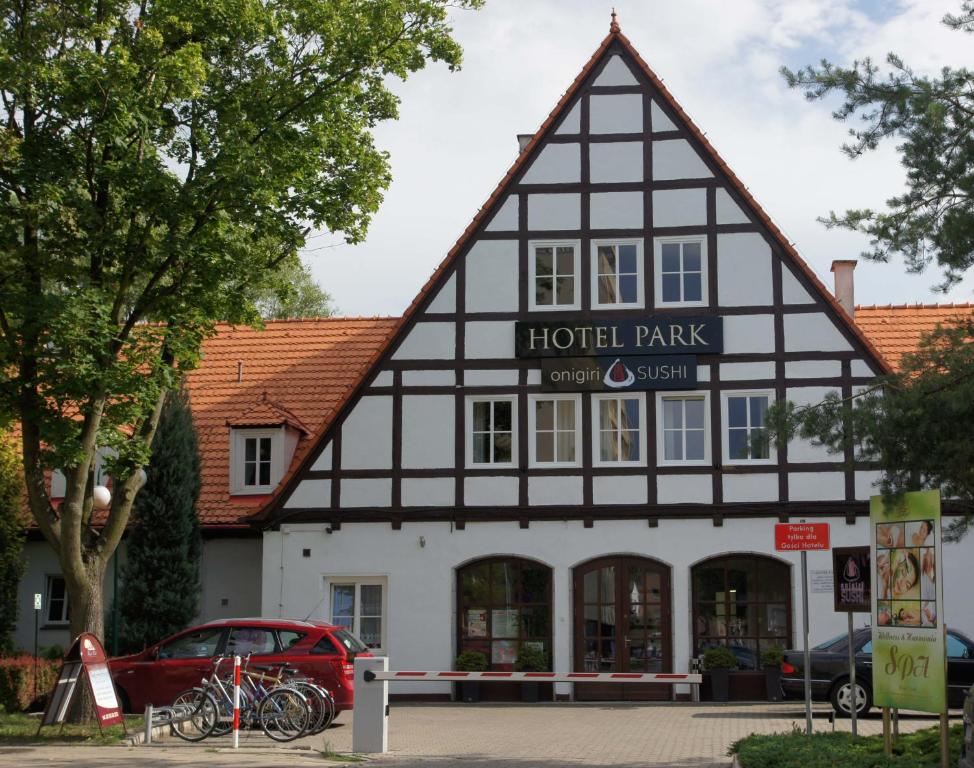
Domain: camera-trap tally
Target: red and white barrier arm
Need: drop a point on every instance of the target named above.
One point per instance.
(547, 677)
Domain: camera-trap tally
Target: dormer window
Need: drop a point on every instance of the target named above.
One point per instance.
(257, 460)
(262, 443)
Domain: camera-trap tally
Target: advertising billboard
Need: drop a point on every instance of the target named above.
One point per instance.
(909, 652)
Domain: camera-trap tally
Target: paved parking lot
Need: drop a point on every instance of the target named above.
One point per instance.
(494, 736)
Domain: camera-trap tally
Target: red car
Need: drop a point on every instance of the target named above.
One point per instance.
(317, 649)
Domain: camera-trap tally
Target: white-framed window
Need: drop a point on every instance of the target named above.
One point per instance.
(617, 274)
(555, 267)
(681, 271)
(256, 460)
(491, 431)
(360, 604)
(619, 430)
(683, 435)
(744, 421)
(56, 592)
(555, 424)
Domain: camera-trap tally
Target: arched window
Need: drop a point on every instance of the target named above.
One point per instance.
(504, 604)
(744, 602)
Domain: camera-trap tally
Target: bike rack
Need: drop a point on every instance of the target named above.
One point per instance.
(370, 729)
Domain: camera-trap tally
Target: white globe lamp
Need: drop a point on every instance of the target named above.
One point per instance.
(101, 497)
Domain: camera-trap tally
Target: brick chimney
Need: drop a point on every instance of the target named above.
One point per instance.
(845, 285)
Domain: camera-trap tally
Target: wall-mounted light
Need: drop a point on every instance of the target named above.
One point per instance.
(422, 541)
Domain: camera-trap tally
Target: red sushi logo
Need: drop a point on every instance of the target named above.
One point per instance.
(618, 376)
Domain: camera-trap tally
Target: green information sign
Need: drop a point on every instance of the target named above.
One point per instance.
(909, 651)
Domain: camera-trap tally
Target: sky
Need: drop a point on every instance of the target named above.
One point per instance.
(456, 135)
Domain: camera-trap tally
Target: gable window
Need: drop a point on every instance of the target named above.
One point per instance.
(491, 440)
(554, 423)
(57, 601)
(684, 437)
(620, 429)
(257, 460)
(681, 272)
(744, 415)
(554, 275)
(359, 606)
(617, 273)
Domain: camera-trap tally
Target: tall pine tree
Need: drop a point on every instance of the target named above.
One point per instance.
(160, 587)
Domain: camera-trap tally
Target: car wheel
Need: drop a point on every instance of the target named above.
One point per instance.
(123, 700)
(841, 697)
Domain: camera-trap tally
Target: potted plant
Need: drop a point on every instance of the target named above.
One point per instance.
(470, 661)
(719, 662)
(531, 658)
(771, 659)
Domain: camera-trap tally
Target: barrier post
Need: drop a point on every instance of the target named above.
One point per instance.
(148, 724)
(236, 702)
(370, 725)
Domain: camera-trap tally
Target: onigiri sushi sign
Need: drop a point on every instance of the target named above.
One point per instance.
(909, 643)
(628, 372)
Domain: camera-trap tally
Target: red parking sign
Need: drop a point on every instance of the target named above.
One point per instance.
(798, 537)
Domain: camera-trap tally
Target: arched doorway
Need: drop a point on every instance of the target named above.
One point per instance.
(622, 624)
(504, 605)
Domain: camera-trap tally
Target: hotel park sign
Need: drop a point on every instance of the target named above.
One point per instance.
(645, 354)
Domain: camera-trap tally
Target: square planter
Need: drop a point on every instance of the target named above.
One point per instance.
(719, 684)
(772, 679)
(470, 691)
(531, 692)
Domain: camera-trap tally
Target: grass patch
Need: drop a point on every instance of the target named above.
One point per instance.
(18, 728)
(338, 757)
(839, 750)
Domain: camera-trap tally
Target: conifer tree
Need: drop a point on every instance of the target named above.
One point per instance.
(11, 538)
(160, 587)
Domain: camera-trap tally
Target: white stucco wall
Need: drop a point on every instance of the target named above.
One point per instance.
(421, 580)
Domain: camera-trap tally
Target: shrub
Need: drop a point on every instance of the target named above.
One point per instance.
(773, 656)
(471, 661)
(719, 658)
(531, 658)
(827, 750)
(17, 681)
(52, 652)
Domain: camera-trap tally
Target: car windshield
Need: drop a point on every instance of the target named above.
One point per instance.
(837, 640)
(352, 644)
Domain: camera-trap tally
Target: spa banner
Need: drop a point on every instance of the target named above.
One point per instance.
(909, 652)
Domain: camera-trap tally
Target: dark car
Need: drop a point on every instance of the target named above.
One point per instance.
(830, 671)
(316, 649)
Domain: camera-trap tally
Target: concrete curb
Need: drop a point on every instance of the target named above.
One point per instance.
(137, 739)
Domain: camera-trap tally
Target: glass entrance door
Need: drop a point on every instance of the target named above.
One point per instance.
(622, 624)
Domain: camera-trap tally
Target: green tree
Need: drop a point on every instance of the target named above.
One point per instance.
(292, 293)
(11, 538)
(156, 157)
(914, 425)
(161, 576)
(933, 118)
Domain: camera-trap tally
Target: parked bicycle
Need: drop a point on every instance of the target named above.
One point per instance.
(283, 705)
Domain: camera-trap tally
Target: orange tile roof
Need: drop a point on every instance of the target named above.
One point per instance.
(293, 371)
(896, 329)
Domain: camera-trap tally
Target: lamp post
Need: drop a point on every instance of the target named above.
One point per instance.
(101, 498)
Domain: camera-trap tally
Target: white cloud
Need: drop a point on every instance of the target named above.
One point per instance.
(456, 135)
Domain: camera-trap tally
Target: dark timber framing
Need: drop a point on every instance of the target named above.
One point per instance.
(782, 258)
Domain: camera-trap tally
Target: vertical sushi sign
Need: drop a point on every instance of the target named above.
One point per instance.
(909, 651)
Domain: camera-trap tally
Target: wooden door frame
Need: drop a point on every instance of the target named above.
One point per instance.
(621, 561)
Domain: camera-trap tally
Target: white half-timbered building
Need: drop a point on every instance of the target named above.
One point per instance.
(559, 444)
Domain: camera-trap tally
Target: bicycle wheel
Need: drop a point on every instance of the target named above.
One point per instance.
(319, 702)
(225, 723)
(202, 718)
(284, 714)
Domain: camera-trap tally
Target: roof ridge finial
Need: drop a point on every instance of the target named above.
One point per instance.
(614, 26)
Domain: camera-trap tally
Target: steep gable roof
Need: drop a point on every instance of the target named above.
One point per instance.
(897, 329)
